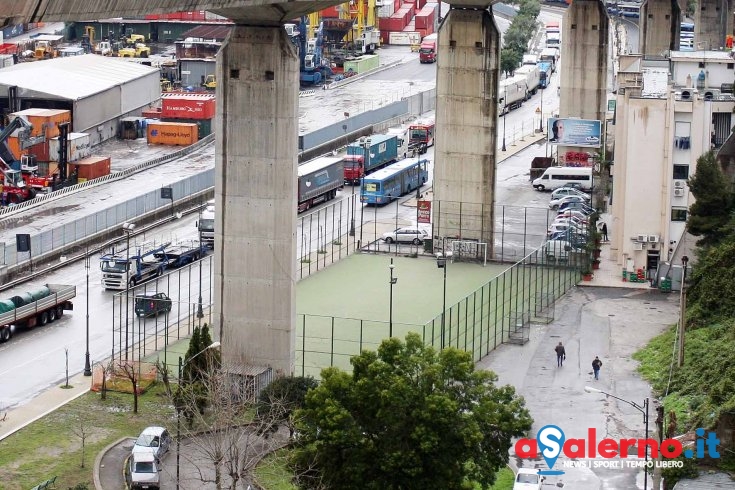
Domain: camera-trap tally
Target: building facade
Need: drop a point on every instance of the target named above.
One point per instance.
(668, 113)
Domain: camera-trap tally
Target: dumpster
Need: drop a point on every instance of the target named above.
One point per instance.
(429, 245)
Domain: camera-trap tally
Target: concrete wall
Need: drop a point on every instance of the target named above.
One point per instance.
(712, 22)
(466, 118)
(660, 23)
(255, 178)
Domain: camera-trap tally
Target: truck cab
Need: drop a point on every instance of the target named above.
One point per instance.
(205, 225)
(428, 49)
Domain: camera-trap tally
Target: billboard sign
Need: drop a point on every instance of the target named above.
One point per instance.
(424, 211)
(575, 132)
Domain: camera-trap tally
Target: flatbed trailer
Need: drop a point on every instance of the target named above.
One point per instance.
(37, 313)
(181, 254)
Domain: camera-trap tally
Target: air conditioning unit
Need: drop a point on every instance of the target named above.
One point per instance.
(652, 238)
(711, 94)
(637, 246)
(678, 183)
(642, 238)
(679, 192)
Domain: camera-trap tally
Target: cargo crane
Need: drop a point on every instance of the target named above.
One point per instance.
(314, 68)
(15, 189)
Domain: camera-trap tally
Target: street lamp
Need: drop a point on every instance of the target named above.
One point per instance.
(87, 367)
(541, 121)
(644, 410)
(128, 229)
(200, 310)
(441, 262)
(213, 345)
(505, 111)
(393, 280)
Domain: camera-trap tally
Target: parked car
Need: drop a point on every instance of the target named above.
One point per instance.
(576, 220)
(527, 479)
(143, 472)
(555, 203)
(575, 240)
(562, 227)
(152, 304)
(576, 213)
(406, 235)
(154, 440)
(576, 205)
(568, 191)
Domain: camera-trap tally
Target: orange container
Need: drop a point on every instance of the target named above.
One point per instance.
(90, 168)
(169, 133)
(45, 119)
(14, 146)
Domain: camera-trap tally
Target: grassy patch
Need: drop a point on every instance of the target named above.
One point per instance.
(504, 480)
(273, 472)
(50, 446)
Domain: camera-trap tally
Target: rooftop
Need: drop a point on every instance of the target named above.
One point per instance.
(706, 56)
(74, 77)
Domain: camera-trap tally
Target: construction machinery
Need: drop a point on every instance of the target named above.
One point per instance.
(209, 82)
(103, 48)
(139, 51)
(314, 68)
(44, 50)
(88, 39)
(166, 85)
(15, 189)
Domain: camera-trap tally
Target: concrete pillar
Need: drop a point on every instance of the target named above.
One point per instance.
(659, 27)
(712, 23)
(255, 197)
(466, 127)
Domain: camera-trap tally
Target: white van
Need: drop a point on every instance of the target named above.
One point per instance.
(555, 177)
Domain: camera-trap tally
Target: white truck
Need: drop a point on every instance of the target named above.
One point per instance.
(530, 59)
(128, 268)
(511, 94)
(533, 78)
(34, 308)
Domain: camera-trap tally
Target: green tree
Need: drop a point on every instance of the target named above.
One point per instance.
(407, 418)
(712, 210)
(712, 291)
(281, 398)
(509, 61)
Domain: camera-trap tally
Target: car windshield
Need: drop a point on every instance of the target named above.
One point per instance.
(526, 478)
(144, 467)
(147, 440)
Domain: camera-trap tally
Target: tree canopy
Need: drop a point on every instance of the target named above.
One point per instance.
(712, 210)
(407, 418)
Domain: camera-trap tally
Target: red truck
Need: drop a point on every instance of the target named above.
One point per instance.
(428, 48)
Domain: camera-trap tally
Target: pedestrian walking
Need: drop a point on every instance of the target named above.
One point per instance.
(596, 365)
(561, 355)
(604, 232)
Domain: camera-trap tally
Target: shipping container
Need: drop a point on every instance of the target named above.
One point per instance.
(330, 13)
(164, 133)
(204, 126)
(403, 38)
(396, 5)
(426, 17)
(78, 147)
(154, 113)
(90, 168)
(363, 64)
(40, 151)
(386, 10)
(44, 118)
(188, 106)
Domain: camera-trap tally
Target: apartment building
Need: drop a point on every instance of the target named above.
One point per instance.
(669, 111)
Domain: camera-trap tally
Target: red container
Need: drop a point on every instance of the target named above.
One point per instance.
(188, 106)
(392, 24)
(330, 13)
(153, 17)
(396, 5)
(41, 152)
(154, 113)
(90, 168)
(420, 4)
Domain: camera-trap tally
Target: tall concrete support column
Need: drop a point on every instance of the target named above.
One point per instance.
(255, 197)
(659, 26)
(712, 23)
(584, 58)
(466, 127)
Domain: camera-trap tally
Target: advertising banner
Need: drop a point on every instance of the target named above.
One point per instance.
(424, 213)
(575, 132)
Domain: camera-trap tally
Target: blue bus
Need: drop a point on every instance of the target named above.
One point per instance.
(630, 10)
(686, 36)
(393, 181)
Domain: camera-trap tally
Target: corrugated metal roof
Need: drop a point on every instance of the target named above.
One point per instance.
(74, 77)
(217, 32)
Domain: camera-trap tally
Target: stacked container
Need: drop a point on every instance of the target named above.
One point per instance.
(427, 19)
(45, 122)
(78, 145)
(198, 109)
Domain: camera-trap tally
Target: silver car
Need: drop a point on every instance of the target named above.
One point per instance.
(406, 235)
(153, 440)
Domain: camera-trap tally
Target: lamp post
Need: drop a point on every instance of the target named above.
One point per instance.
(87, 367)
(393, 280)
(200, 310)
(213, 345)
(644, 410)
(682, 311)
(441, 262)
(505, 111)
(541, 121)
(363, 169)
(128, 229)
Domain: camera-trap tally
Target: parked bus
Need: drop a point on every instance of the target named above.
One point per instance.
(393, 181)
(422, 131)
(555, 177)
(686, 36)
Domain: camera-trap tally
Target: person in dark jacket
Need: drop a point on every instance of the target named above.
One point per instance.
(561, 354)
(596, 365)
